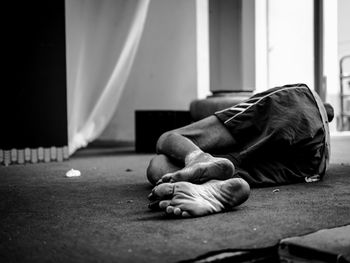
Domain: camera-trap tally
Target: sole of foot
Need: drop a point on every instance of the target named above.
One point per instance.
(184, 199)
(202, 170)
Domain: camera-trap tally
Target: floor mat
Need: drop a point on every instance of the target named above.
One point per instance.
(327, 245)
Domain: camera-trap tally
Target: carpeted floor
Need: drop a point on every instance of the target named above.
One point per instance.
(102, 216)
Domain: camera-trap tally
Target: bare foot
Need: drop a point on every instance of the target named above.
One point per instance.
(186, 199)
(202, 168)
(158, 166)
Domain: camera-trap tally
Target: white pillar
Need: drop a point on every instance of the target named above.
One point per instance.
(202, 37)
(261, 52)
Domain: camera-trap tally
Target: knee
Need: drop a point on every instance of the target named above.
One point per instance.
(165, 139)
(244, 190)
(154, 171)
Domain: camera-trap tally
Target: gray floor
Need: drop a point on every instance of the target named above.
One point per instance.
(102, 216)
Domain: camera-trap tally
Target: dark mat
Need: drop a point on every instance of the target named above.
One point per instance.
(103, 216)
(323, 246)
(330, 245)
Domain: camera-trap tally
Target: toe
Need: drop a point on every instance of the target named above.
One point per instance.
(169, 209)
(177, 211)
(164, 204)
(161, 191)
(185, 214)
(167, 178)
(177, 176)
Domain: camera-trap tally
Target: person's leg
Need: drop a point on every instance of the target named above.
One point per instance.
(190, 147)
(208, 135)
(248, 127)
(190, 200)
(159, 166)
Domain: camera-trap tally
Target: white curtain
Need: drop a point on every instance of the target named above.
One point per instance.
(102, 40)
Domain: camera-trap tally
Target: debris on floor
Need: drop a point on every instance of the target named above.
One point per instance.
(73, 173)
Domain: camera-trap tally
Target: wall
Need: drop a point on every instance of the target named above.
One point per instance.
(343, 28)
(344, 48)
(337, 44)
(164, 72)
(290, 42)
(284, 44)
(331, 64)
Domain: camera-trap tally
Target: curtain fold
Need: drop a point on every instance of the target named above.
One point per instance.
(102, 41)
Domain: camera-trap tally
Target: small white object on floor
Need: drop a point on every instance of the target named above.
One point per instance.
(314, 178)
(73, 173)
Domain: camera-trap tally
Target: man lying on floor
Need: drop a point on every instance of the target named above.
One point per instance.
(276, 137)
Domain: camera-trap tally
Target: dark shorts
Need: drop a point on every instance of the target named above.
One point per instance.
(279, 137)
